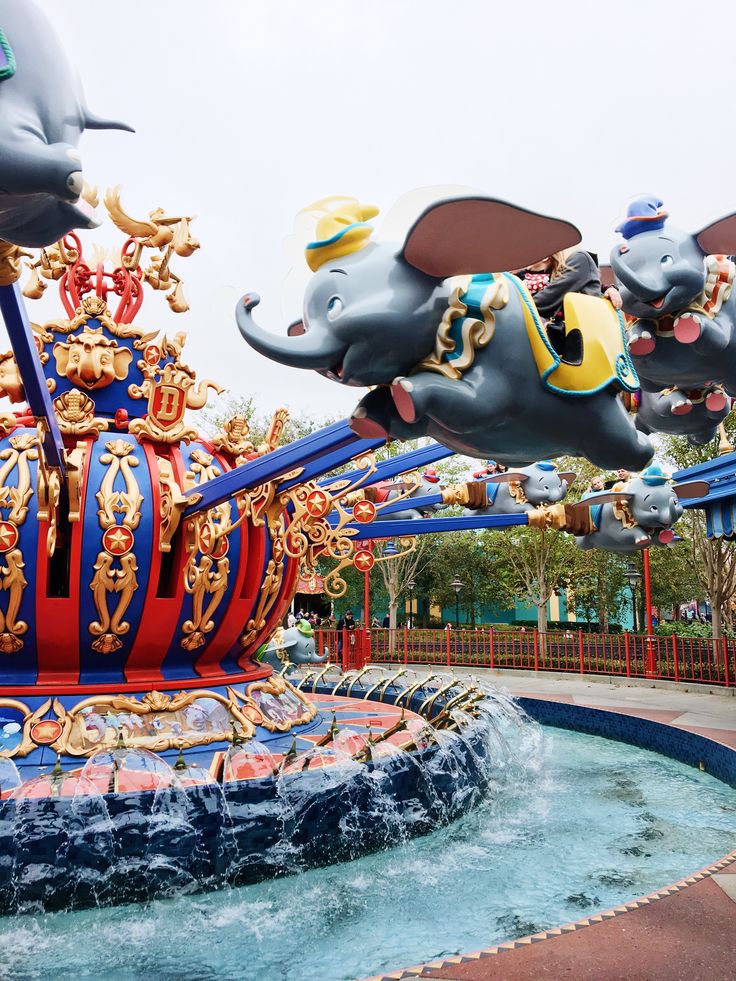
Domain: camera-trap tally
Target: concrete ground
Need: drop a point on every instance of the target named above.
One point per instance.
(686, 933)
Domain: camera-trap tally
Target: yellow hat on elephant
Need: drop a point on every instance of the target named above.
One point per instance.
(340, 232)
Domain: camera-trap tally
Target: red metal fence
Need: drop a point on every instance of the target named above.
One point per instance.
(688, 659)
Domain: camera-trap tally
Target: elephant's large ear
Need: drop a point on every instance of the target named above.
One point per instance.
(569, 476)
(608, 497)
(718, 238)
(692, 489)
(475, 235)
(296, 329)
(122, 358)
(505, 478)
(61, 353)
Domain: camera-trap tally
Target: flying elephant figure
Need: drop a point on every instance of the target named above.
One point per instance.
(42, 117)
(639, 513)
(523, 490)
(678, 288)
(294, 646)
(467, 362)
(695, 414)
(389, 491)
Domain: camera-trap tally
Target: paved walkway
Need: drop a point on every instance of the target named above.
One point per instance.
(684, 934)
(711, 712)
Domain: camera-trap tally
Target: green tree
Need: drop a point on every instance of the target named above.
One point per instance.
(600, 586)
(533, 564)
(463, 555)
(673, 581)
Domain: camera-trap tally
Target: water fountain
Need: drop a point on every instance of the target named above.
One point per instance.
(146, 751)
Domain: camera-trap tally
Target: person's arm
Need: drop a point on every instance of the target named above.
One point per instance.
(579, 274)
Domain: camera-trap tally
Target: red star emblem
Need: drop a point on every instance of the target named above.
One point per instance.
(364, 512)
(152, 354)
(8, 536)
(220, 548)
(118, 540)
(45, 732)
(364, 560)
(206, 538)
(318, 503)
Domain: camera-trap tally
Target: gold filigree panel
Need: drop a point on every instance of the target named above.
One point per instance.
(14, 501)
(116, 565)
(280, 704)
(156, 722)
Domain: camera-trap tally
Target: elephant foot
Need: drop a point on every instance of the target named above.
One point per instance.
(715, 402)
(687, 329)
(365, 427)
(666, 536)
(401, 393)
(642, 344)
(682, 408)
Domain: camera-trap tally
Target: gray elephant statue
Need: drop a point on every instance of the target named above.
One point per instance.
(42, 117)
(467, 362)
(523, 490)
(695, 414)
(641, 514)
(389, 491)
(678, 287)
(294, 646)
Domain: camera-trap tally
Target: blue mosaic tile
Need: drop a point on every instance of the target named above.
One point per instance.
(678, 744)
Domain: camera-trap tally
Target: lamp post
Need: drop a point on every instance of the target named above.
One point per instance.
(633, 577)
(457, 585)
(410, 584)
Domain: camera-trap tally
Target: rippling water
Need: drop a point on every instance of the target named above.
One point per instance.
(577, 824)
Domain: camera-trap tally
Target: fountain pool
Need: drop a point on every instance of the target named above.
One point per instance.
(577, 823)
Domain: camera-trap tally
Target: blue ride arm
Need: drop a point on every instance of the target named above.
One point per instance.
(317, 453)
(29, 366)
(402, 463)
(431, 526)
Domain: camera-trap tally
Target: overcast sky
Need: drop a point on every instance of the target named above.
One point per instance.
(247, 111)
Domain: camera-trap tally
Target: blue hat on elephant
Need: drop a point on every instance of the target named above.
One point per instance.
(654, 476)
(546, 465)
(643, 215)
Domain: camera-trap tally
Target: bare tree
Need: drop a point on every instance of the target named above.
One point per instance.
(715, 563)
(398, 571)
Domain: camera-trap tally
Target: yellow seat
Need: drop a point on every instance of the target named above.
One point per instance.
(604, 359)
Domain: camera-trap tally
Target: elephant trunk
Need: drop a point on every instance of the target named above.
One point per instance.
(640, 286)
(317, 349)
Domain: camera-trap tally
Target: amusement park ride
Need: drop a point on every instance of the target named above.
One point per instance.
(144, 567)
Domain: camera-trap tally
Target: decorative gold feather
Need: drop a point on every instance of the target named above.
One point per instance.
(123, 221)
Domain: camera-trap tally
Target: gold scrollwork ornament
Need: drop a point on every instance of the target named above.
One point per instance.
(134, 716)
(75, 413)
(117, 544)
(15, 501)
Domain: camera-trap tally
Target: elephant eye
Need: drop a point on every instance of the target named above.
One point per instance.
(666, 260)
(334, 307)
(654, 508)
